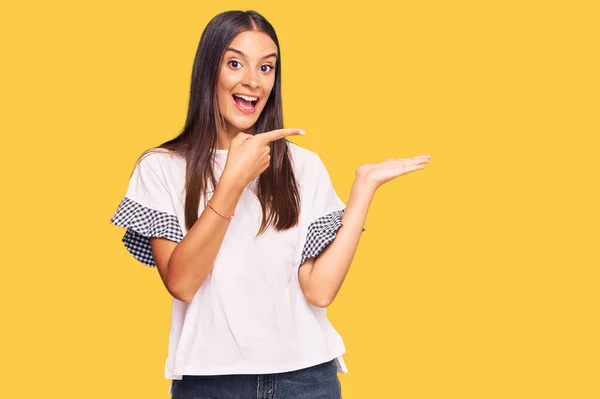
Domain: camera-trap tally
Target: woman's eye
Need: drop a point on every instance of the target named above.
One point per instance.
(234, 63)
(266, 68)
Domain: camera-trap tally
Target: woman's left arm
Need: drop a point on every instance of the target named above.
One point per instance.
(321, 278)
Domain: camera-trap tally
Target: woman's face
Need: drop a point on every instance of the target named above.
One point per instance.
(246, 77)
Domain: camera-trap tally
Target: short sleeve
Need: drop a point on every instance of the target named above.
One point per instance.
(147, 210)
(326, 214)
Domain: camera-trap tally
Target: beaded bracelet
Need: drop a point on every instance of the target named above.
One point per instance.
(226, 217)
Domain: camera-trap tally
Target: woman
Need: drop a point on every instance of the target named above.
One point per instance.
(250, 291)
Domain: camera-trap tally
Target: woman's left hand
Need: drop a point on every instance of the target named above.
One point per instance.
(375, 174)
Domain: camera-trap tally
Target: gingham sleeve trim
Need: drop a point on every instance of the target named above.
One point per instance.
(141, 224)
(321, 233)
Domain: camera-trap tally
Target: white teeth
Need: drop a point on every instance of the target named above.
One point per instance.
(246, 97)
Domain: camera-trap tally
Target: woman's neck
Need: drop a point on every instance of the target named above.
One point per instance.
(224, 137)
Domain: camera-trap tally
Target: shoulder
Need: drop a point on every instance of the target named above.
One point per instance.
(160, 161)
(302, 157)
(309, 168)
(155, 156)
(307, 160)
(157, 178)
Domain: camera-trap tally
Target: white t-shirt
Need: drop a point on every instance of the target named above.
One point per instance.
(249, 316)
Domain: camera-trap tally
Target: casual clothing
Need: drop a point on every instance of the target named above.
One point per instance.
(315, 382)
(249, 316)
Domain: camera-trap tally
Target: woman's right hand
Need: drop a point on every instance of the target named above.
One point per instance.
(249, 155)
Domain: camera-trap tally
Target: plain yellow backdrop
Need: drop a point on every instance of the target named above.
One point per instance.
(477, 277)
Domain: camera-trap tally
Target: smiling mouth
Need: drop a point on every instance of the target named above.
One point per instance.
(245, 104)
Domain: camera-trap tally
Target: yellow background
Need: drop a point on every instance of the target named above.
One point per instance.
(477, 277)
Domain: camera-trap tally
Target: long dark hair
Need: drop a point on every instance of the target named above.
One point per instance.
(277, 189)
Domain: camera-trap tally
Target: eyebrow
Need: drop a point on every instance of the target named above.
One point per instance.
(244, 55)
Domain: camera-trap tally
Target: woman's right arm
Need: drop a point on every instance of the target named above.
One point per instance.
(183, 266)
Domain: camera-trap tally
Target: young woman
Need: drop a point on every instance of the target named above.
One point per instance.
(245, 229)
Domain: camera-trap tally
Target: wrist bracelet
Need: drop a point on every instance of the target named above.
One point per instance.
(226, 217)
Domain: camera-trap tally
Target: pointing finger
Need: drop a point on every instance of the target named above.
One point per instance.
(279, 134)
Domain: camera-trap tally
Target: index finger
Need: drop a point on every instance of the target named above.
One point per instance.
(277, 134)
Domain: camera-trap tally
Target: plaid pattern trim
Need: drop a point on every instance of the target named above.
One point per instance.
(321, 233)
(141, 224)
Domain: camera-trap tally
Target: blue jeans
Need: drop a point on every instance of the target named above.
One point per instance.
(316, 382)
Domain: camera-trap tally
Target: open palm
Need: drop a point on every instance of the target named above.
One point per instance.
(379, 173)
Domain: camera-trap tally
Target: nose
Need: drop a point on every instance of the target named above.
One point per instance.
(250, 78)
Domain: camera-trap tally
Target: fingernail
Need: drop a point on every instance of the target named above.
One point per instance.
(302, 132)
